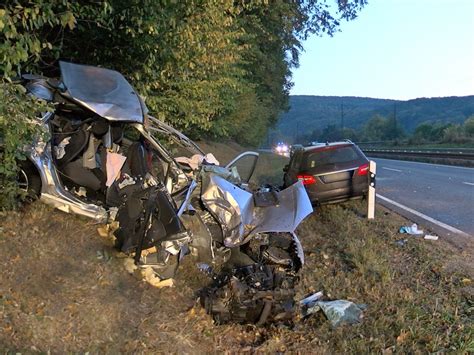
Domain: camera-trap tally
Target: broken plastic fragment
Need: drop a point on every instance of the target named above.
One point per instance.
(205, 268)
(311, 300)
(60, 150)
(339, 311)
(401, 242)
(431, 237)
(126, 181)
(198, 159)
(114, 164)
(413, 230)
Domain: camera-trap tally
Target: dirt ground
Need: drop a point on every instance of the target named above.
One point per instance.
(63, 288)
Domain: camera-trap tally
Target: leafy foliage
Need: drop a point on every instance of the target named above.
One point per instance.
(430, 132)
(196, 61)
(16, 131)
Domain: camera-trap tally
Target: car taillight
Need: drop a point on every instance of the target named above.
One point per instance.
(307, 179)
(363, 170)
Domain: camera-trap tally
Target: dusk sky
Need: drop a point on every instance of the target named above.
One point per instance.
(395, 49)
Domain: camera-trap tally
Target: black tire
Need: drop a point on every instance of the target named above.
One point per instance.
(29, 180)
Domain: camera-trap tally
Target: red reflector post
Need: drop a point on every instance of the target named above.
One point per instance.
(307, 179)
(363, 170)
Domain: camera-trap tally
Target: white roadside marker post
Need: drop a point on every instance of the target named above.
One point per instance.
(371, 193)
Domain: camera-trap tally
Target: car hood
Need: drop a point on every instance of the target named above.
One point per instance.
(103, 91)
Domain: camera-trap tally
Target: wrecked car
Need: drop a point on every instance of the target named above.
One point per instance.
(102, 156)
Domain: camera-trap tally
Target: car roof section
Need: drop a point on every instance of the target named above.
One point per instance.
(103, 91)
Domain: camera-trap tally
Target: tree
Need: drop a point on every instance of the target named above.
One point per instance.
(380, 128)
(454, 134)
(469, 126)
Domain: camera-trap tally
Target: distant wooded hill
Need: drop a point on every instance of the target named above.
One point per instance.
(308, 113)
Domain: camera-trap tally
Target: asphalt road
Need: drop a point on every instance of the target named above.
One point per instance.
(444, 193)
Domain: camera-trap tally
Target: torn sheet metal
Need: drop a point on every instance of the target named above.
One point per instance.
(230, 175)
(230, 205)
(293, 208)
(187, 199)
(89, 155)
(103, 91)
(196, 160)
(234, 208)
(299, 248)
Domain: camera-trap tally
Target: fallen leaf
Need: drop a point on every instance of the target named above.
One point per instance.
(150, 277)
(103, 231)
(130, 266)
(402, 337)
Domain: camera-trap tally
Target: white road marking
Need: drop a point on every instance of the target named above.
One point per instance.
(468, 183)
(391, 169)
(419, 214)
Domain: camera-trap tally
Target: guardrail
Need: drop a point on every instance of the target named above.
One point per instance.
(441, 153)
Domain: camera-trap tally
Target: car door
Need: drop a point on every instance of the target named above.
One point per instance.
(245, 164)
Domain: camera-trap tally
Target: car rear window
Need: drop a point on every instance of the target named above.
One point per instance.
(330, 156)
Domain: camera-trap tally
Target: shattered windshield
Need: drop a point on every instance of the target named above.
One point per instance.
(173, 139)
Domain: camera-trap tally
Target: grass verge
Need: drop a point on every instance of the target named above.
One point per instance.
(63, 288)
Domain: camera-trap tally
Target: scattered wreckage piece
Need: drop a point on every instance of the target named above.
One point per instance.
(340, 311)
(413, 230)
(104, 157)
(337, 312)
(260, 292)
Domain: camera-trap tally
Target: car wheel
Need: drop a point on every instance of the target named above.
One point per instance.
(29, 181)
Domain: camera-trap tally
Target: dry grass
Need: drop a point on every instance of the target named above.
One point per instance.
(64, 289)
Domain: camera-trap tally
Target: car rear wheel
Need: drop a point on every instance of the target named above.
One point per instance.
(29, 181)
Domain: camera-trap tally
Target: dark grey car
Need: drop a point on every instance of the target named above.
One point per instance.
(331, 172)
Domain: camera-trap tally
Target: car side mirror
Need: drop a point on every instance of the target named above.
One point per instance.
(286, 168)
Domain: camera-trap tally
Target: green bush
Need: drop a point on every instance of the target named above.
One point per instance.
(17, 112)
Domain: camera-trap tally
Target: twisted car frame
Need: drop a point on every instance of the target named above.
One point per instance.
(102, 156)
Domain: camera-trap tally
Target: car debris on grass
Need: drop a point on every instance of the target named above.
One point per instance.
(162, 198)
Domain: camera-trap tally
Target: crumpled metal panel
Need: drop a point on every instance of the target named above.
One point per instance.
(299, 248)
(235, 210)
(230, 205)
(40, 89)
(103, 91)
